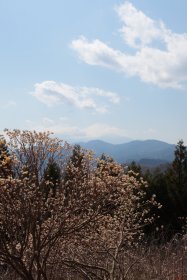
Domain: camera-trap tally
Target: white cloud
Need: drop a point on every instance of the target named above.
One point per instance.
(65, 129)
(97, 53)
(138, 29)
(100, 130)
(60, 126)
(52, 93)
(160, 55)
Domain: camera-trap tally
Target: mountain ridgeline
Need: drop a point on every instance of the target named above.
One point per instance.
(148, 152)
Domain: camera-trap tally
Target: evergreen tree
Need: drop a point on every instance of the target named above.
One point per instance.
(76, 170)
(177, 179)
(52, 176)
(179, 165)
(136, 168)
(75, 164)
(5, 159)
(158, 186)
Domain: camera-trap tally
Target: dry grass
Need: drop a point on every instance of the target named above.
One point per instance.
(146, 262)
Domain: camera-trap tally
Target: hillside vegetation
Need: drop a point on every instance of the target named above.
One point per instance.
(66, 215)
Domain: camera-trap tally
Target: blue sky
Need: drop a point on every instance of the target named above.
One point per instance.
(102, 69)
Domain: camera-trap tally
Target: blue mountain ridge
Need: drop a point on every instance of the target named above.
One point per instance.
(152, 151)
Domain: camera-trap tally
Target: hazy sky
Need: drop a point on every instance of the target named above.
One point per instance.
(95, 69)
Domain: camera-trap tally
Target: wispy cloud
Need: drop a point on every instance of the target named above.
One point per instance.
(100, 130)
(67, 130)
(52, 93)
(61, 126)
(160, 55)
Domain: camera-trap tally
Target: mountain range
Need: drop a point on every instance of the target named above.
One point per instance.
(147, 152)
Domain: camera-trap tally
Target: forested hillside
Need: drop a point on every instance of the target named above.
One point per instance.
(66, 215)
(153, 151)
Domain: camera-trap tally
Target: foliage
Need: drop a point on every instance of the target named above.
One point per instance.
(135, 167)
(85, 227)
(170, 188)
(5, 159)
(32, 151)
(177, 179)
(52, 177)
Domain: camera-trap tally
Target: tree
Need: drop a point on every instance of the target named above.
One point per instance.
(106, 162)
(170, 188)
(136, 168)
(75, 164)
(78, 236)
(52, 177)
(158, 185)
(31, 226)
(5, 159)
(32, 150)
(104, 249)
(177, 184)
(179, 166)
(77, 170)
(177, 178)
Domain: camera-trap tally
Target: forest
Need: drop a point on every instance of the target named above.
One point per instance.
(65, 214)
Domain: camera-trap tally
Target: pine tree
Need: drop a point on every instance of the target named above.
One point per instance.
(5, 159)
(179, 165)
(75, 164)
(75, 171)
(136, 168)
(177, 183)
(52, 176)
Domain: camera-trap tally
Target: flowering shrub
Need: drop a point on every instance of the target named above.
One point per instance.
(96, 214)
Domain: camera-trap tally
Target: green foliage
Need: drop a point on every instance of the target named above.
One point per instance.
(75, 161)
(136, 168)
(5, 159)
(75, 172)
(178, 172)
(52, 175)
(158, 185)
(170, 188)
(177, 182)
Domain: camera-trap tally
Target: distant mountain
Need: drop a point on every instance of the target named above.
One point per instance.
(149, 151)
(99, 146)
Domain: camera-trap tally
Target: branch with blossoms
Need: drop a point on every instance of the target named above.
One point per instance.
(85, 226)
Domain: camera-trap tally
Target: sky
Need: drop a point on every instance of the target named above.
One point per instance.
(105, 69)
